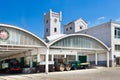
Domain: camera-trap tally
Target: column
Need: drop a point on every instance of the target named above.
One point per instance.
(108, 59)
(76, 57)
(31, 62)
(64, 55)
(47, 65)
(38, 56)
(96, 59)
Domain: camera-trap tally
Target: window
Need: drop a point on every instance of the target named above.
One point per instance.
(117, 47)
(50, 57)
(55, 29)
(55, 20)
(66, 29)
(46, 21)
(80, 27)
(42, 57)
(70, 28)
(47, 30)
(117, 33)
(70, 58)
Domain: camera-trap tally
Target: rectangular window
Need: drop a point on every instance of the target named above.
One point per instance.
(50, 57)
(42, 57)
(70, 58)
(117, 47)
(117, 33)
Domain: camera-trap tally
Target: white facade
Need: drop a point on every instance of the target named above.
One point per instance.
(52, 23)
(75, 26)
(81, 45)
(106, 33)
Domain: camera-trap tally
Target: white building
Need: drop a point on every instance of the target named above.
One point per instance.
(75, 26)
(77, 45)
(108, 33)
(95, 44)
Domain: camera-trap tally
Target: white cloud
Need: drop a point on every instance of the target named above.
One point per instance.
(118, 19)
(101, 18)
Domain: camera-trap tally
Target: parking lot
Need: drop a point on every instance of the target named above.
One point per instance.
(99, 73)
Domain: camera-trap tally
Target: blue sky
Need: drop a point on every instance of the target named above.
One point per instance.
(28, 14)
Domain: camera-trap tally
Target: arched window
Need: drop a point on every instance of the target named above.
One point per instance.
(55, 29)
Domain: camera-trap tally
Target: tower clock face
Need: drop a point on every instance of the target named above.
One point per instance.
(55, 20)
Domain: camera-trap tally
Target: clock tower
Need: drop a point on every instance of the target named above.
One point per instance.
(52, 23)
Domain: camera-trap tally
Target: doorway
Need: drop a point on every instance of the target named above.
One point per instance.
(83, 58)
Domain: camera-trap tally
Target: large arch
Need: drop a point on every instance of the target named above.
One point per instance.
(79, 39)
(19, 41)
(5, 26)
(78, 44)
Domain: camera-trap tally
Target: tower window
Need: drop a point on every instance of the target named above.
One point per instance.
(66, 29)
(46, 21)
(47, 30)
(55, 29)
(70, 28)
(55, 20)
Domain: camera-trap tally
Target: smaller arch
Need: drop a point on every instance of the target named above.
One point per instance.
(72, 35)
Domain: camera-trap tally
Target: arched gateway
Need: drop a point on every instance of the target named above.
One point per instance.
(77, 46)
(21, 44)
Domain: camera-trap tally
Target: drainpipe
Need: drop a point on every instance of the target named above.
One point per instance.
(108, 59)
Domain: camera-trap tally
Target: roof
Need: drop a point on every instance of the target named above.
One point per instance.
(26, 31)
(54, 37)
(76, 20)
(60, 38)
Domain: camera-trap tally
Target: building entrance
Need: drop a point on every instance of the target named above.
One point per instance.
(83, 59)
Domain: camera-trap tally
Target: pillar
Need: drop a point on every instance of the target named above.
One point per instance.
(96, 59)
(47, 66)
(64, 55)
(76, 57)
(38, 58)
(108, 59)
(38, 55)
(31, 62)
